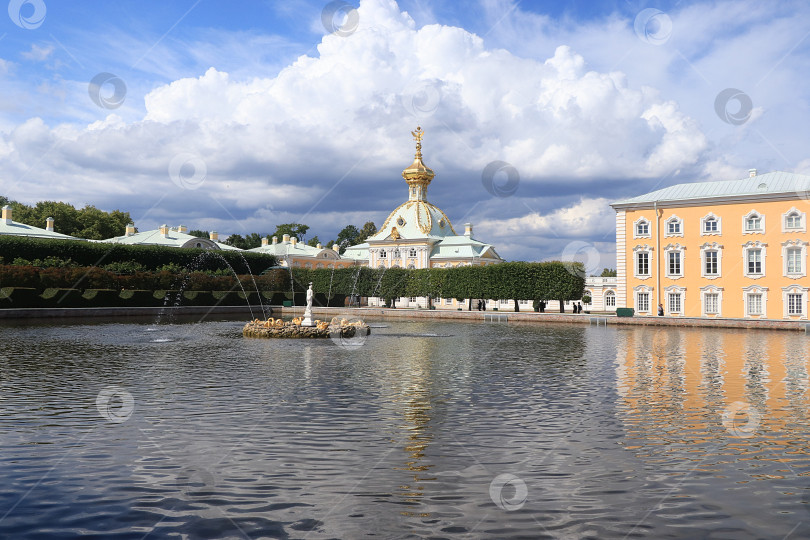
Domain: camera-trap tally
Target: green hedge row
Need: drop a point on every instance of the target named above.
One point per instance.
(152, 257)
(514, 280)
(98, 278)
(24, 297)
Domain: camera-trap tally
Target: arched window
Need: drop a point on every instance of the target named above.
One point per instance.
(674, 226)
(753, 222)
(641, 229)
(610, 299)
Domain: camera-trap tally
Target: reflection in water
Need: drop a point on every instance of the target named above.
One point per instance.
(678, 385)
(599, 433)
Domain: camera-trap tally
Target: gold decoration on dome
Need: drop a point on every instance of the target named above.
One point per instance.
(418, 172)
(394, 234)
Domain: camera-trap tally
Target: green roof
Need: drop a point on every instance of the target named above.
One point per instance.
(762, 186)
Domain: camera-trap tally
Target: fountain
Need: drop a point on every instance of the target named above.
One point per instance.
(305, 327)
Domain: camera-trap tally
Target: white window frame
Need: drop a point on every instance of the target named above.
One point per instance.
(643, 249)
(610, 294)
(674, 248)
(802, 221)
(635, 228)
(711, 289)
(801, 246)
(673, 219)
(675, 289)
(412, 253)
(750, 214)
(704, 219)
(714, 246)
(643, 289)
(756, 289)
(794, 289)
(748, 246)
(382, 254)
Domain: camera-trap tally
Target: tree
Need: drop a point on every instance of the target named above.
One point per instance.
(89, 222)
(368, 230)
(252, 240)
(608, 272)
(314, 241)
(198, 233)
(347, 237)
(297, 230)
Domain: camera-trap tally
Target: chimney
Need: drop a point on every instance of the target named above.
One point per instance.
(319, 246)
(752, 173)
(275, 240)
(264, 241)
(182, 229)
(468, 230)
(164, 231)
(286, 238)
(213, 236)
(335, 247)
(7, 215)
(49, 224)
(130, 230)
(293, 240)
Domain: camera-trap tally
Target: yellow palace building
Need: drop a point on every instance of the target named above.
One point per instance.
(716, 249)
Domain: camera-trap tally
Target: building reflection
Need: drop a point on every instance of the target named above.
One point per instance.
(698, 386)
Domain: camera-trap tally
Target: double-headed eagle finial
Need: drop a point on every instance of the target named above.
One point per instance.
(417, 136)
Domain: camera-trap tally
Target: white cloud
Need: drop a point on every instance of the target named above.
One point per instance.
(38, 53)
(343, 119)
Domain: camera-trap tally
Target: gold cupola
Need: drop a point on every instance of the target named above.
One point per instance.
(418, 175)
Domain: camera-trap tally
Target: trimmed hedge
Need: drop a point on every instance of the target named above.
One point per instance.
(515, 280)
(88, 254)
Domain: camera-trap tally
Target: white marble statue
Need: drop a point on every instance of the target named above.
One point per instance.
(308, 311)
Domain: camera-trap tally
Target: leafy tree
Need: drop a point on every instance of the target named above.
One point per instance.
(298, 230)
(314, 241)
(348, 237)
(252, 240)
(368, 230)
(198, 233)
(608, 272)
(89, 222)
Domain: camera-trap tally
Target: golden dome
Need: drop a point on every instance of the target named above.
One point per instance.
(417, 171)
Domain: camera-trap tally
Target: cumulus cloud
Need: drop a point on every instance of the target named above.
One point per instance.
(331, 133)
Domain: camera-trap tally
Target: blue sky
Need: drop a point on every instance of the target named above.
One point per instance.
(241, 115)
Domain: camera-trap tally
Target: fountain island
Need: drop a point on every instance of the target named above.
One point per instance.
(305, 327)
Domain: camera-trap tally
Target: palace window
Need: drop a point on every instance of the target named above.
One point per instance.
(610, 299)
(753, 222)
(642, 295)
(641, 228)
(794, 304)
(674, 267)
(412, 253)
(674, 299)
(755, 299)
(754, 259)
(396, 254)
(794, 260)
(794, 255)
(674, 226)
(794, 299)
(712, 302)
(709, 224)
(711, 263)
(383, 254)
(674, 263)
(642, 261)
(793, 221)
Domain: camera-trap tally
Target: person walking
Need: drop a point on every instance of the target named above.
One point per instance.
(660, 310)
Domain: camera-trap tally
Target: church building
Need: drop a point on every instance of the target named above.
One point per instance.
(417, 234)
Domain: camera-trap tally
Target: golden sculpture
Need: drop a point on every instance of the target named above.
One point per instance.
(394, 234)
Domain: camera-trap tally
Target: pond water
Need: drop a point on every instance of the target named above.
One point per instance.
(440, 430)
